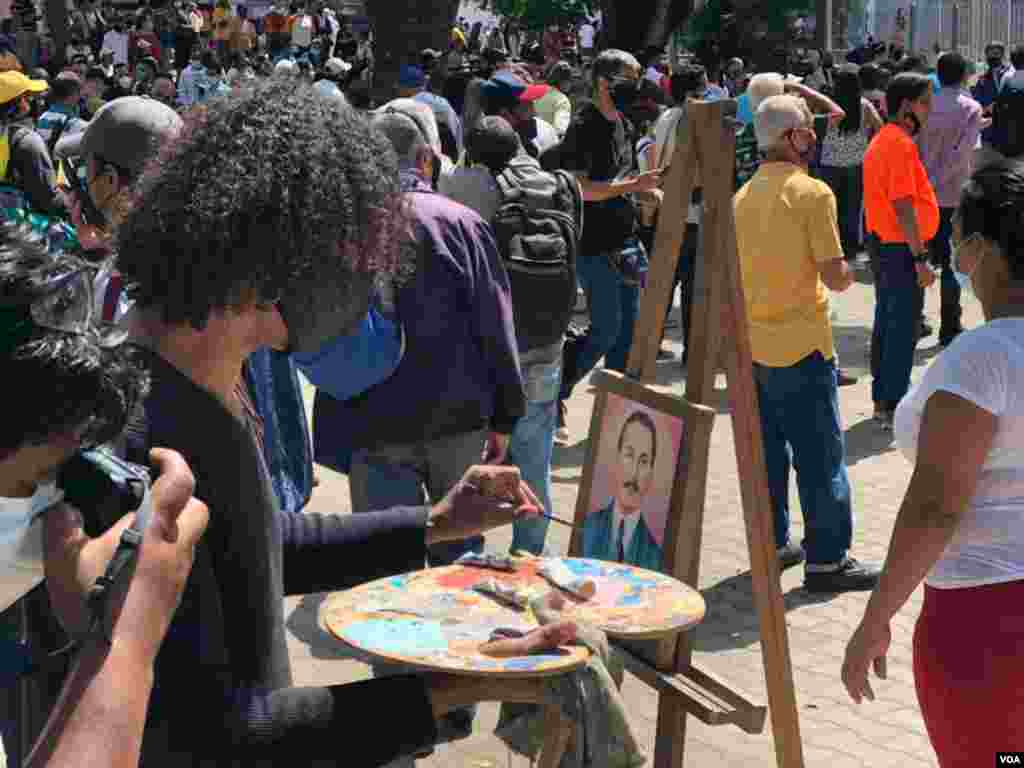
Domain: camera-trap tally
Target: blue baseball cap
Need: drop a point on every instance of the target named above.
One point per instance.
(506, 88)
(410, 76)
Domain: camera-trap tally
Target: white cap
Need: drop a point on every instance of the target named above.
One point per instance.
(286, 66)
(337, 66)
(764, 85)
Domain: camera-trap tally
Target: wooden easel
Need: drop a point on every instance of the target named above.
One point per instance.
(718, 339)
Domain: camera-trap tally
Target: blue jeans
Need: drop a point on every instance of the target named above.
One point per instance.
(800, 425)
(942, 252)
(530, 449)
(898, 305)
(613, 309)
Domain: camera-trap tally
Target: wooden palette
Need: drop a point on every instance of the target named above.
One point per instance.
(433, 619)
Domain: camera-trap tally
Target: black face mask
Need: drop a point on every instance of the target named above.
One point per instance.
(624, 94)
(995, 63)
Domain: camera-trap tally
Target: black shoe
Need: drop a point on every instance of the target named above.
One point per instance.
(926, 329)
(790, 555)
(851, 576)
(843, 379)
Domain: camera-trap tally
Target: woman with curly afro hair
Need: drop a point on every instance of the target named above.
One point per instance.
(265, 224)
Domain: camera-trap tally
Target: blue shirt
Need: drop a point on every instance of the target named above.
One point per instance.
(743, 112)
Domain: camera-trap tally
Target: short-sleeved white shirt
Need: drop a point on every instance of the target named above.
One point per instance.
(984, 366)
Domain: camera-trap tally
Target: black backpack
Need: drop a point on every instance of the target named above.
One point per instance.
(538, 237)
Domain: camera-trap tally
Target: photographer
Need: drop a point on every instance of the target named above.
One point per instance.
(49, 345)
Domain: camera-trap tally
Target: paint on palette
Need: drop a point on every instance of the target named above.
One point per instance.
(397, 637)
(434, 619)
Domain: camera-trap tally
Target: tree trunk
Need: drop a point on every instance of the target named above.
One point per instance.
(633, 25)
(667, 16)
(60, 31)
(403, 28)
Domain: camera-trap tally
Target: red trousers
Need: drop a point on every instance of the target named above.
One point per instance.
(969, 672)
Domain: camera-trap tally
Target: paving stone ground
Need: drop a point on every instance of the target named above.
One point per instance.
(835, 732)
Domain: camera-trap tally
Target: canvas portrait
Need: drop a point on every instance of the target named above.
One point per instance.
(633, 478)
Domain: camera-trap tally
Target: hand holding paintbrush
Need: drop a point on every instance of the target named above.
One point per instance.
(508, 502)
(487, 497)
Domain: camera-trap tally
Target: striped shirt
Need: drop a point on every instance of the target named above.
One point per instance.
(56, 116)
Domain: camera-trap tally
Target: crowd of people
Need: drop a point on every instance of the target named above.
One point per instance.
(199, 207)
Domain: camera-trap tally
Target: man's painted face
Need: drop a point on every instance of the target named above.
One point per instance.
(635, 468)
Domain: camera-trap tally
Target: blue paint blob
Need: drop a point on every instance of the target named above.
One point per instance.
(527, 663)
(402, 637)
(632, 598)
(585, 567)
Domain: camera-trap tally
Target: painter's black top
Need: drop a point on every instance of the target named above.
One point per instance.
(223, 690)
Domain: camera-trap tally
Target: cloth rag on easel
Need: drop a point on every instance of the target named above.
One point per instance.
(589, 697)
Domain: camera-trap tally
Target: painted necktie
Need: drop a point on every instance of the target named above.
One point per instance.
(622, 541)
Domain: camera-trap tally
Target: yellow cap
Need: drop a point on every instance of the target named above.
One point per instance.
(14, 84)
(458, 35)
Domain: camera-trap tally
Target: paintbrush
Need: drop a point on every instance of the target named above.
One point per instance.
(507, 505)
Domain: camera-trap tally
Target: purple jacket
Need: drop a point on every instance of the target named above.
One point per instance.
(947, 142)
(460, 371)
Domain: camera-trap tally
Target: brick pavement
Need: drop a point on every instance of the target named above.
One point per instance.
(836, 733)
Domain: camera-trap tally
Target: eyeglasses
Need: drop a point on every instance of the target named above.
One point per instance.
(66, 302)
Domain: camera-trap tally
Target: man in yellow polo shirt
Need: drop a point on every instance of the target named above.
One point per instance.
(788, 241)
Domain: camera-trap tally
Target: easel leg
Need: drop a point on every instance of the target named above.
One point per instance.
(670, 743)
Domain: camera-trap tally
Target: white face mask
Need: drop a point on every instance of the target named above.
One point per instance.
(21, 542)
(962, 278)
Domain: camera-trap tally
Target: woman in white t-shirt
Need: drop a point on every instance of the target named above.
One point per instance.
(961, 525)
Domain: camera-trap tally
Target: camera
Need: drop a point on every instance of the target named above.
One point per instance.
(104, 486)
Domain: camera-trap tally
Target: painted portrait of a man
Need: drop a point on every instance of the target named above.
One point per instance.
(618, 530)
